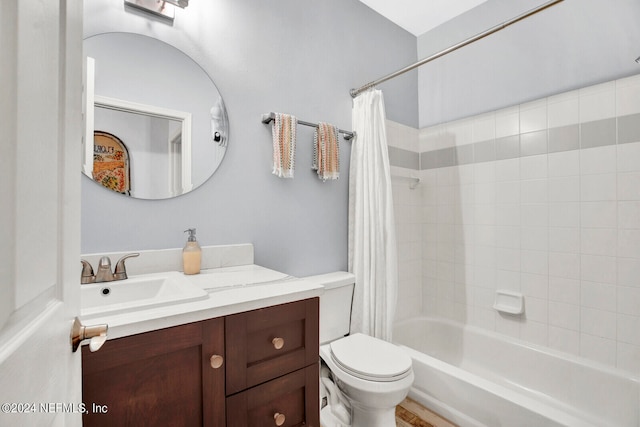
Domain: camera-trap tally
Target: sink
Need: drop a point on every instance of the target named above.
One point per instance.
(138, 292)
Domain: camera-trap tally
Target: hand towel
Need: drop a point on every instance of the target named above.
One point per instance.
(326, 151)
(284, 144)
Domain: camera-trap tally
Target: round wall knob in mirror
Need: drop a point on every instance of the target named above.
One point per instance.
(157, 126)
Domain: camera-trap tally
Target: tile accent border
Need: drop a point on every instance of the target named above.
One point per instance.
(404, 158)
(598, 133)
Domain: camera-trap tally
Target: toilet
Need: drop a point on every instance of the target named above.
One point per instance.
(373, 375)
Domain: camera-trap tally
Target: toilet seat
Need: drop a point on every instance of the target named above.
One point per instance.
(370, 358)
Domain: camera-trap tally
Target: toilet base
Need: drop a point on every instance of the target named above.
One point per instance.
(372, 417)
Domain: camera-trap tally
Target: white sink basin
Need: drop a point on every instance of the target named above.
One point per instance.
(137, 292)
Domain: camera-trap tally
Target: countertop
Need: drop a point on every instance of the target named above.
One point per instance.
(230, 290)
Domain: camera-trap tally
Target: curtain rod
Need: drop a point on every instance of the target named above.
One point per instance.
(268, 118)
(356, 92)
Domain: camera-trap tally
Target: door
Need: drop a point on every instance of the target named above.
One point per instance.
(40, 136)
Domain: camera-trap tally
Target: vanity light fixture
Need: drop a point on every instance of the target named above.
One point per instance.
(180, 3)
(163, 8)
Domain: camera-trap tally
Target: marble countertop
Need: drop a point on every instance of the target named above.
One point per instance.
(230, 290)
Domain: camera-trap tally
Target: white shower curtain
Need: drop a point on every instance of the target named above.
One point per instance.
(372, 236)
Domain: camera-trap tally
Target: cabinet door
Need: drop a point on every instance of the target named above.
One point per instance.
(292, 399)
(159, 378)
(253, 351)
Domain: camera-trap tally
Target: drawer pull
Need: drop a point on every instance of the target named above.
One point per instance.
(278, 343)
(279, 418)
(216, 361)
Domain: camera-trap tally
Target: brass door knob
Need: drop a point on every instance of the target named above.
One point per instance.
(279, 418)
(278, 343)
(216, 361)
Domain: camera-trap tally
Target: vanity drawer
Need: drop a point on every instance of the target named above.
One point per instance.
(292, 400)
(270, 342)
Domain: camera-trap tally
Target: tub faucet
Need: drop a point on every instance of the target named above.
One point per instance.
(104, 273)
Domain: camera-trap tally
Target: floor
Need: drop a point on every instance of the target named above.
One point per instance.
(410, 413)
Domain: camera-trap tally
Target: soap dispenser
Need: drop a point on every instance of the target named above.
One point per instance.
(191, 254)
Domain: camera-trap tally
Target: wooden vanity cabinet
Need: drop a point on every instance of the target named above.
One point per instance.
(267, 374)
(159, 378)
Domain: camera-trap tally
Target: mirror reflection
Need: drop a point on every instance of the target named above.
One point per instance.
(158, 127)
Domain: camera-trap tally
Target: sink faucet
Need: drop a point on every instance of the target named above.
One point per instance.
(104, 273)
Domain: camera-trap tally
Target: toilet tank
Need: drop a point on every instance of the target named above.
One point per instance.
(335, 304)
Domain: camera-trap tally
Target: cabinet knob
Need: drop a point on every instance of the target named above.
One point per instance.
(216, 361)
(279, 418)
(278, 343)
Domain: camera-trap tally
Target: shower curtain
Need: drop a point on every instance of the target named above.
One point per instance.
(372, 236)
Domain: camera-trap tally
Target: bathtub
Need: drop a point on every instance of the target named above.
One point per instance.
(476, 378)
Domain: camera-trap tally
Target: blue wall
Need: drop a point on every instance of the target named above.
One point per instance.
(294, 56)
(573, 44)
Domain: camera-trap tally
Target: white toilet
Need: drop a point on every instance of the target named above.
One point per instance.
(374, 375)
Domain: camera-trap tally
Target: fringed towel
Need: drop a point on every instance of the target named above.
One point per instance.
(326, 151)
(284, 144)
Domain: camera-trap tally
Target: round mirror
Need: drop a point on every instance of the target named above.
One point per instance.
(156, 124)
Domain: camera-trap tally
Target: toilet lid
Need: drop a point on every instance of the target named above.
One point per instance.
(370, 358)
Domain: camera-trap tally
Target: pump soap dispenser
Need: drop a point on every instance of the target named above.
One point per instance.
(191, 254)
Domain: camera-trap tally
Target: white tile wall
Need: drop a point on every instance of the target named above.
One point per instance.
(627, 96)
(598, 102)
(409, 213)
(507, 122)
(562, 228)
(564, 109)
(533, 116)
(483, 127)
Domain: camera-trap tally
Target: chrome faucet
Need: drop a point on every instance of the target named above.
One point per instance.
(104, 273)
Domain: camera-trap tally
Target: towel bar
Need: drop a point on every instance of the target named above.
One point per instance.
(268, 118)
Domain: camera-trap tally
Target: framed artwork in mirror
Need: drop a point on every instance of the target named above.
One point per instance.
(111, 162)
